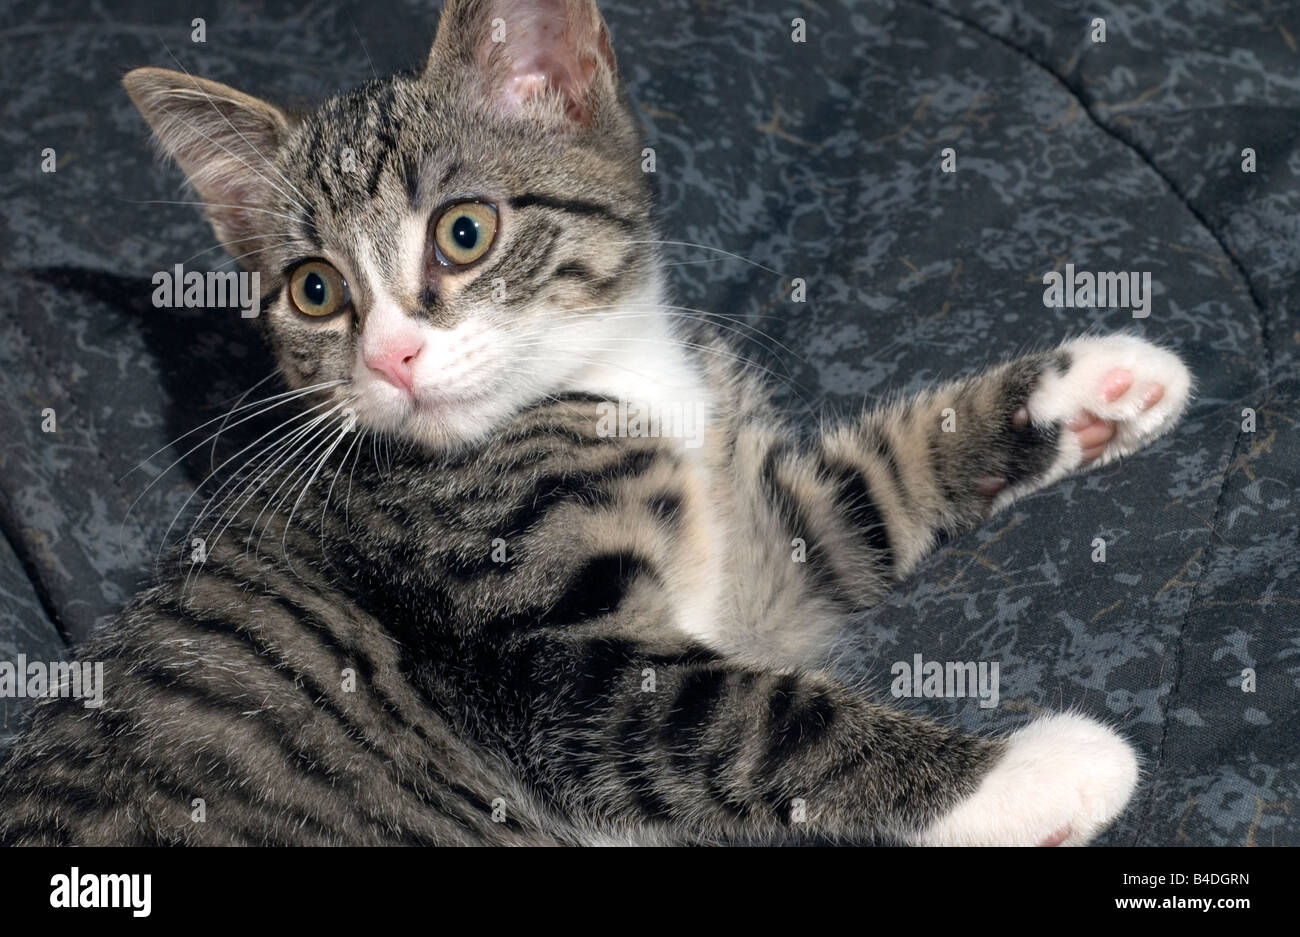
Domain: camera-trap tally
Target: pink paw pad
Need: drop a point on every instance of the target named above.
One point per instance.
(1152, 396)
(1056, 838)
(1116, 384)
(1092, 431)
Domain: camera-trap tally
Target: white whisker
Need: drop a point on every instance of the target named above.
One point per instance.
(716, 250)
(215, 494)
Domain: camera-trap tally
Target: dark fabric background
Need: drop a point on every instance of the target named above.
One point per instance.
(818, 160)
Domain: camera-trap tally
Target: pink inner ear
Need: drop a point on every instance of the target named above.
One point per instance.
(546, 53)
(521, 86)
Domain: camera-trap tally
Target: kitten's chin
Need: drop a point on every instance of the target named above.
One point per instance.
(435, 422)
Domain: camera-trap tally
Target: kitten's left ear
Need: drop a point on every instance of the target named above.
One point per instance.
(223, 139)
(547, 59)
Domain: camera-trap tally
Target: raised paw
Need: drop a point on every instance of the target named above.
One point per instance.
(1111, 395)
(1060, 781)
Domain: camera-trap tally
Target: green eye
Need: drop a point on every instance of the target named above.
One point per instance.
(317, 289)
(464, 232)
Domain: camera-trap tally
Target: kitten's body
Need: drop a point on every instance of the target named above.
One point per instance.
(522, 629)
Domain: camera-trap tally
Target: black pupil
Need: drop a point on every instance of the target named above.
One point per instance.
(314, 289)
(464, 232)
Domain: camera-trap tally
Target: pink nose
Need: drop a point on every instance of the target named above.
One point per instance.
(395, 364)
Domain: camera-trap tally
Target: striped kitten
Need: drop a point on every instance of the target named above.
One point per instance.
(530, 624)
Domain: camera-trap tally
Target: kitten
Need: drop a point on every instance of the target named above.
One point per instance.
(525, 628)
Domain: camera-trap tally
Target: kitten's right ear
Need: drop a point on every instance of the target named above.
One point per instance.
(546, 60)
(222, 139)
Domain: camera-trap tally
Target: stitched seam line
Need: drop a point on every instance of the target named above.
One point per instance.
(1144, 826)
(1265, 327)
(1265, 334)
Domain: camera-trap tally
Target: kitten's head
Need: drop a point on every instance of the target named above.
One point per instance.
(454, 243)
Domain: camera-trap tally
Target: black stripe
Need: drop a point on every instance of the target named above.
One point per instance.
(718, 764)
(795, 720)
(1026, 451)
(691, 713)
(853, 495)
(573, 270)
(308, 762)
(883, 446)
(603, 289)
(74, 796)
(328, 191)
(384, 107)
(372, 183)
(446, 176)
(597, 588)
(388, 143)
(635, 765)
(303, 684)
(589, 685)
(517, 461)
(270, 298)
(545, 427)
(604, 663)
(411, 181)
(591, 485)
(542, 249)
(771, 484)
(316, 157)
(576, 396)
(35, 831)
(794, 520)
(166, 777)
(572, 206)
(666, 506)
(307, 221)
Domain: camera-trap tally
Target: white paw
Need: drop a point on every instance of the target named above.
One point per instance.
(1062, 780)
(1119, 393)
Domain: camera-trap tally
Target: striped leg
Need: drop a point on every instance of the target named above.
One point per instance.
(627, 741)
(877, 495)
(639, 741)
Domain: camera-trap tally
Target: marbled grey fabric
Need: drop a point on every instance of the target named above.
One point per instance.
(818, 160)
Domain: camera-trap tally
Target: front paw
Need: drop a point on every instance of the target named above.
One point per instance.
(1113, 395)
